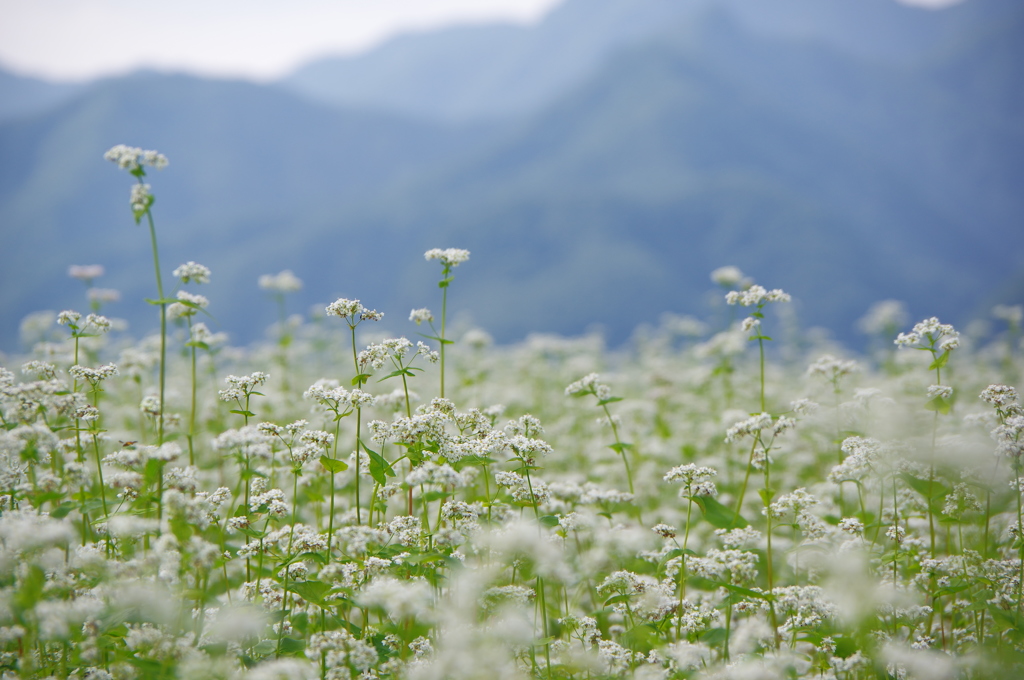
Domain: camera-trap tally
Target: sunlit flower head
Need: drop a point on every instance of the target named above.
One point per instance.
(133, 158)
(449, 257)
(284, 282)
(192, 272)
(86, 272)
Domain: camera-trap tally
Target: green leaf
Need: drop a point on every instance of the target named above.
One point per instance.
(717, 514)
(380, 469)
(249, 414)
(937, 403)
(62, 510)
(549, 521)
(292, 647)
(641, 638)
(745, 592)
(609, 400)
(397, 374)
(265, 648)
(932, 490)
(332, 465)
(620, 447)
(615, 599)
(939, 362)
(311, 591)
(162, 301)
(360, 379)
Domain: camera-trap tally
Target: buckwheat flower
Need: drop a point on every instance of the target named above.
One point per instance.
(421, 315)
(749, 324)
(97, 323)
(585, 385)
(1011, 314)
(284, 282)
(883, 317)
(132, 158)
(927, 333)
(41, 369)
(449, 257)
(141, 198)
(940, 391)
(728, 277)
(103, 295)
(664, 530)
(831, 368)
(999, 396)
(68, 317)
(751, 426)
(802, 407)
(150, 405)
(344, 308)
(851, 525)
(896, 533)
(696, 481)
(192, 272)
(86, 272)
(93, 375)
(87, 413)
(187, 305)
(755, 296)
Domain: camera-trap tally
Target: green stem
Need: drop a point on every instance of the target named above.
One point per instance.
(163, 324)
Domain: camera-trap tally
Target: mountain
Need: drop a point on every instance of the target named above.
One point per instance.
(832, 178)
(22, 97)
(497, 70)
(841, 178)
(249, 166)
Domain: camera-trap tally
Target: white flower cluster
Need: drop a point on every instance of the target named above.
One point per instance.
(449, 257)
(696, 481)
(93, 375)
(86, 272)
(132, 157)
(729, 277)
(192, 272)
(421, 315)
(188, 304)
(589, 384)
(832, 368)
(927, 333)
(242, 386)
(283, 282)
(756, 296)
(753, 426)
(352, 311)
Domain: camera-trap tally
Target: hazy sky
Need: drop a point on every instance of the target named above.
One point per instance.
(259, 39)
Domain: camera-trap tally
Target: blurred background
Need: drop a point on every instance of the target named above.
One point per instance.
(598, 157)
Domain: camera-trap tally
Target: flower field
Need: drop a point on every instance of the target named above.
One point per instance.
(727, 498)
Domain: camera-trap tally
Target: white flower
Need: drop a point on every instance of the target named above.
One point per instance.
(192, 272)
(284, 282)
(86, 272)
(132, 158)
(450, 257)
(756, 296)
(421, 315)
(727, 277)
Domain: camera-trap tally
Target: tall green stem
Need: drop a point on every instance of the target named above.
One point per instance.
(163, 324)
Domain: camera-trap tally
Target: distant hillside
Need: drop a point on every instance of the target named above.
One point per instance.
(835, 179)
(470, 72)
(249, 166)
(22, 97)
(841, 178)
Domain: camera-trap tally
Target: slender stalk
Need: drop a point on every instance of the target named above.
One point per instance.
(163, 324)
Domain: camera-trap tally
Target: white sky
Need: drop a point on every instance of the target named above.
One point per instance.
(257, 39)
